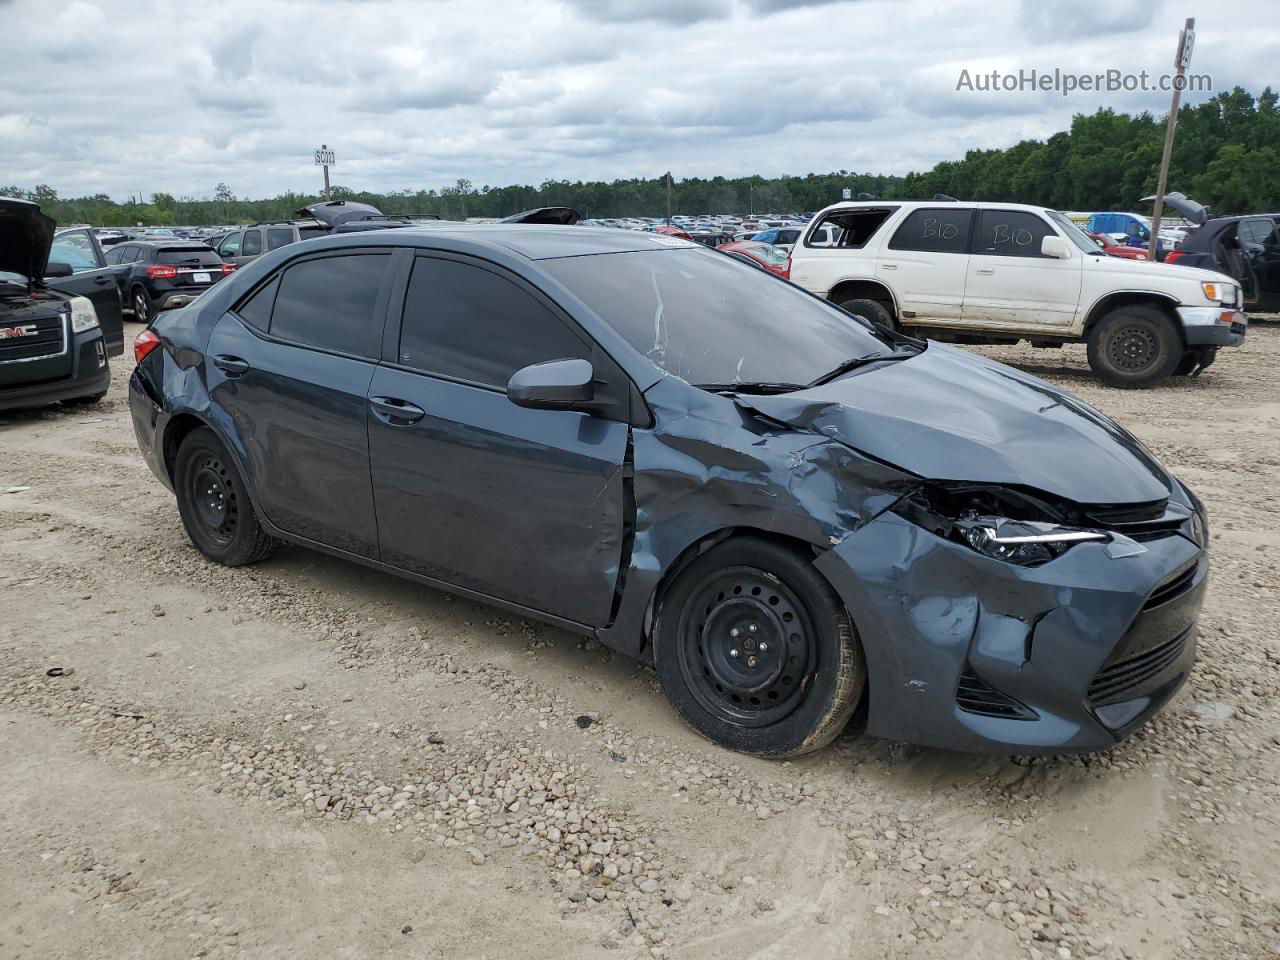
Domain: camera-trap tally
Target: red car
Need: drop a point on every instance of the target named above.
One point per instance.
(768, 256)
(669, 231)
(1114, 249)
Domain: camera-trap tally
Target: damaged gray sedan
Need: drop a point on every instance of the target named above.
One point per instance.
(787, 510)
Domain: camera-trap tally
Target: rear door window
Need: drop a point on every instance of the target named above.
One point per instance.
(256, 311)
(330, 302)
(278, 237)
(934, 230)
(1010, 233)
(251, 245)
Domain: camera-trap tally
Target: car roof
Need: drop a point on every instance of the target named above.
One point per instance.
(529, 241)
(177, 243)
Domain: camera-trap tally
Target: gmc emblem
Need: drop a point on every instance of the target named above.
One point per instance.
(12, 333)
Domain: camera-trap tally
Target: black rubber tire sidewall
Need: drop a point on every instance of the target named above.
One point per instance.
(249, 542)
(869, 310)
(1161, 327)
(140, 294)
(835, 687)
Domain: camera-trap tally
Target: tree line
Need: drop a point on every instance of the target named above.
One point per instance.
(1227, 155)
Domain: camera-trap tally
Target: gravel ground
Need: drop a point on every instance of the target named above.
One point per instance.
(307, 758)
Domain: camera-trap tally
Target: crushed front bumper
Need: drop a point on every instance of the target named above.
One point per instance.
(968, 653)
(1213, 326)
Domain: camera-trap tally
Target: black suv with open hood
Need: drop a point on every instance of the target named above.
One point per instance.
(51, 345)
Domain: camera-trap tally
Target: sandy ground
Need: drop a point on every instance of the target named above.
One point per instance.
(309, 759)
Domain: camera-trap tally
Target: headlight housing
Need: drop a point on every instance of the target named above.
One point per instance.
(1219, 291)
(83, 316)
(1003, 524)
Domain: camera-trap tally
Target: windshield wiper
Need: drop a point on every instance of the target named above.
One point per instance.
(750, 386)
(853, 363)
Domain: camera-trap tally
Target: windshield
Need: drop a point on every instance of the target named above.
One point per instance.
(1074, 233)
(709, 319)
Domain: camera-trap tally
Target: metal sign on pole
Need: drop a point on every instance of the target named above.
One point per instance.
(324, 158)
(1182, 60)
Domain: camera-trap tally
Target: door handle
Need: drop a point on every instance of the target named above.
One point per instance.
(231, 366)
(985, 271)
(888, 266)
(101, 280)
(397, 412)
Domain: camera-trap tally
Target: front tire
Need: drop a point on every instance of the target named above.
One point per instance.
(214, 504)
(1134, 346)
(756, 652)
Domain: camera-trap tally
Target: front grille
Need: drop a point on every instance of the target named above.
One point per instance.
(48, 341)
(1118, 680)
(1172, 588)
(975, 695)
(1138, 521)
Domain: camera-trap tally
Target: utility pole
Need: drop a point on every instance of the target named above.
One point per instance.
(668, 198)
(1186, 41)
(324, 158)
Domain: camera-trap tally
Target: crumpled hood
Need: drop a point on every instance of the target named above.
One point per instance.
(950, 415)
(26, 235)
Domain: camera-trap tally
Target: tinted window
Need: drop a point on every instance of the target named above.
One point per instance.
(944, 230)
(306, 233)
(329, 303)
(251, 245)
(230, 245)
(1010, 233)
(470, 323)
(787, 236)
(142, 253)
(256, 311)
(75, 249)
(278, 237)
(113, 255)
(708, 319)
(1255, 232)
(189, 257)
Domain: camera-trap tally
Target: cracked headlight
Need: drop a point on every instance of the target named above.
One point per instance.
(83, 316)
(1008, 525)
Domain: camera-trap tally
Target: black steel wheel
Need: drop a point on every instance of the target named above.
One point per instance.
(214, 504)
(1134, 346)
(872, 310)
(755, 650)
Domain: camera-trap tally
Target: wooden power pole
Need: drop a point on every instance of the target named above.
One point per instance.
(325, 158)
(1186, 40)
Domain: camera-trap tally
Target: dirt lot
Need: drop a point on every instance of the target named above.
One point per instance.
(309, 759)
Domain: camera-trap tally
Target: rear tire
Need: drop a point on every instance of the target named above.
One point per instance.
(872, 310)
(214, 503)
(756, 652)
(141, 305)
(1134, 346)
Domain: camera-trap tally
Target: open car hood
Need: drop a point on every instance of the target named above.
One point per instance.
(949, 415)
(555, 216)
(26, 235)
(1184, 205)
(337, 212)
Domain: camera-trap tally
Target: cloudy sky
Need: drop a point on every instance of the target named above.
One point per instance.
(139, 96)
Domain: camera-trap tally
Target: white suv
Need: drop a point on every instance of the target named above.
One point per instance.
(1002, 272)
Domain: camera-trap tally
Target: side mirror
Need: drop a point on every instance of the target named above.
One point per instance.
(56, 268)
(554, 385)
(1056, 247)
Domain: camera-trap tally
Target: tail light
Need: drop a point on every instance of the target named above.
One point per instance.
(158, 272)
(786, 270)
(143, 344)
(228, 268)
(1173, 256)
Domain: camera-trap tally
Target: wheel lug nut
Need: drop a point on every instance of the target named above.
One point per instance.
(764, 647)
(734, 653)
(734, 632)
(752, 627)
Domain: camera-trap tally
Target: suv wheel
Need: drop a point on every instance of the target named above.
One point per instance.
(214, 504)
(141, 305)
(872, 310)
(1134, 346)
(755, 650)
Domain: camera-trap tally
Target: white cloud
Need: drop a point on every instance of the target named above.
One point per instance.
(147, 95)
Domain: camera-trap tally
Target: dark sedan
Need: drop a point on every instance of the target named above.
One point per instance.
(782, 507)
